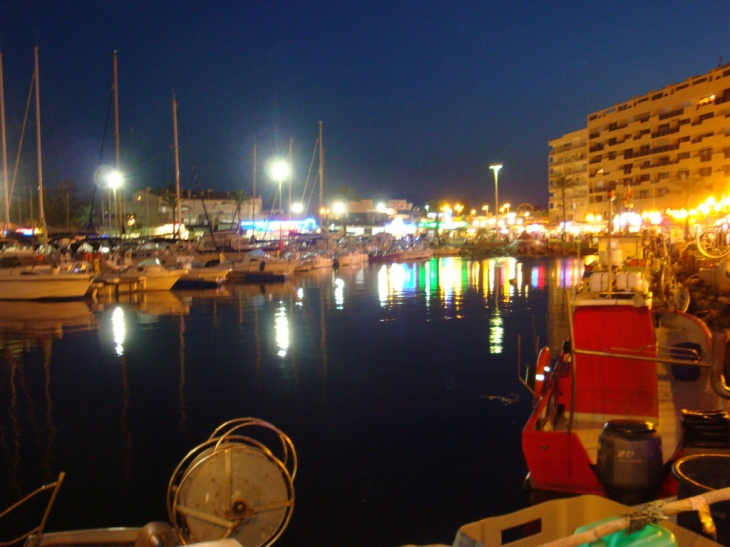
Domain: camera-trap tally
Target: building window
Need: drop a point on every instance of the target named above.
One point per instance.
(627, 169)
(705, 171)
(644, 178)
(661, 192)
(706, 154)
(612, 155)
(683, 155)
(599, 199)
(643, 194)
(683, 173)
(645, 164)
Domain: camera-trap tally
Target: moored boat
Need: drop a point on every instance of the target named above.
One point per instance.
(261, 266)
(19, 281)
(631, 379)
(385, 256)
(199, 275)
(417, 252)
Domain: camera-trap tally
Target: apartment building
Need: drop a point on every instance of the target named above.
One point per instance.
(667, 149)
(568, 169)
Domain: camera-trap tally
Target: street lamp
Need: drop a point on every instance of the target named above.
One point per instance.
(496, 167)
(114, 180)
(278, 169)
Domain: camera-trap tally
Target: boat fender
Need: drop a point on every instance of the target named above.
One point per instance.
(262, 266)
(542, 370)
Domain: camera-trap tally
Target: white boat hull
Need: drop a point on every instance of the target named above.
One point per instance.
(44, 286)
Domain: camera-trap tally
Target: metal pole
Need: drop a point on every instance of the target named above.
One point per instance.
(41, 213)
(253, 206)
(117, 198)
(290, 177)
(178, 208)
(496, 191)
(4, 147)
(321, 175)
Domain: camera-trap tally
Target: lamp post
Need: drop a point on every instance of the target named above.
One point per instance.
(279, 170)
(496, 167)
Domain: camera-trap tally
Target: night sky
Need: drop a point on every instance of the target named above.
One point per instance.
(417, 97)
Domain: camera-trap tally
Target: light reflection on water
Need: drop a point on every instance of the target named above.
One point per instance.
(382, 375)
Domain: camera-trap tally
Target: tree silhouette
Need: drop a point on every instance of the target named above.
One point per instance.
(170, 200)
(686, 187)
(561, 184)
(240, 197)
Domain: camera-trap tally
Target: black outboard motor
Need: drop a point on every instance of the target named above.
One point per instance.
(630, 463)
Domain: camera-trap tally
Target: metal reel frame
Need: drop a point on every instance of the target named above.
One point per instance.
(224, 442)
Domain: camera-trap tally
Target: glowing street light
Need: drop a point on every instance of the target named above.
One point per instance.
(338, 208)
(297, 208)
(114, 180)
(278, 170)
(485, 208)
(496, 167)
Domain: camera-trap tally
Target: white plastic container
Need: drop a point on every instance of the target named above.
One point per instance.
(598, 282)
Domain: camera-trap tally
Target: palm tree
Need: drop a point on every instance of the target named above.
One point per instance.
(170, 200)
(240, 197)
(687, 187)
(562, 183)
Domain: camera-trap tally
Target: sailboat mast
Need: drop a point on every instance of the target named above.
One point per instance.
(253, 207)
(290, 176)
(321, 176)
(6, 195)
(120, 220)
(41, 213)
(178, 208)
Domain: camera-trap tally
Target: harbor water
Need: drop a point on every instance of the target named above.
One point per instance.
(397, 383)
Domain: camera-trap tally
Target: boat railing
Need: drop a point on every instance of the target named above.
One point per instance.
(36, 532)
(673, 355)
(654, 353)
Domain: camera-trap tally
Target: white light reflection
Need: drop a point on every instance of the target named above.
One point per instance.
(281, 328)
(300, 297)
(383, 285)
(496, 333)
(118, 330)
(339, 294)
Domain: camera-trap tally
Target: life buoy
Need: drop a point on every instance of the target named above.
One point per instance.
(542, 369)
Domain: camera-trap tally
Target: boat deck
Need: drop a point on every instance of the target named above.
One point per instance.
(673, 396)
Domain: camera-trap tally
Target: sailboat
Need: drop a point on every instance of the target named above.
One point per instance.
(20, 280)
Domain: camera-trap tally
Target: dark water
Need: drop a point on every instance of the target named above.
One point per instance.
(397, 384)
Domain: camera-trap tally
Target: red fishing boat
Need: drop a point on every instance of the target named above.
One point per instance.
(632, 390)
